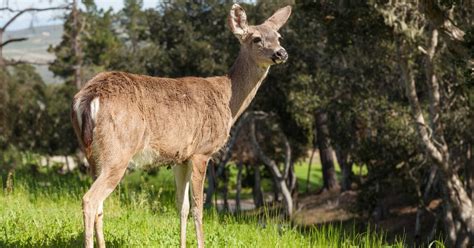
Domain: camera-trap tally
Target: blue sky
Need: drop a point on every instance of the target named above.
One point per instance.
(51, 17)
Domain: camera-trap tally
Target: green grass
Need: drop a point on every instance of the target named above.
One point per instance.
(315, 179)
(44, 210)
(316, 175)
(301, 171)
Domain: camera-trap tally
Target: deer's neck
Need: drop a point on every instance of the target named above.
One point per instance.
(246, 76)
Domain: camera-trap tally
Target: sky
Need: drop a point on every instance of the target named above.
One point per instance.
(51, 17)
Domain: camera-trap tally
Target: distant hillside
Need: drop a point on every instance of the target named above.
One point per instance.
(35, 48)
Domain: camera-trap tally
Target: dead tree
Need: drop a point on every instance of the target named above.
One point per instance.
(17, 13)
(280, 176)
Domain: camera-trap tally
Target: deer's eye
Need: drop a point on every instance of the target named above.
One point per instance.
(257, 40)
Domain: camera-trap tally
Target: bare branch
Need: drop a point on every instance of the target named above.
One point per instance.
(12, 40)
(21, 12)
(8, 9)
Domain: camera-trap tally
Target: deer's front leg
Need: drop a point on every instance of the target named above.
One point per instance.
(182, 175)
(197, 180)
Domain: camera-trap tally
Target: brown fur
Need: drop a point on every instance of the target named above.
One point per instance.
(175, 117)
(177, 120)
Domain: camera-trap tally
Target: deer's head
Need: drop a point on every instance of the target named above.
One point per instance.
(262, 42)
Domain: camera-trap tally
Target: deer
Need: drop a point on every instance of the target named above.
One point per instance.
(120, 117)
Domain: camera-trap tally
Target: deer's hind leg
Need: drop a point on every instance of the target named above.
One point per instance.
(99, 216)
(112, 161)
(92, 202)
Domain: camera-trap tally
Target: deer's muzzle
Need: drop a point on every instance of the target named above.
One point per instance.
(280, 56)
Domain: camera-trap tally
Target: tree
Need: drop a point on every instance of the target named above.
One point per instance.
(133, 22)
(88, 45)
(408, 25)
(76, 46)
(325, 151)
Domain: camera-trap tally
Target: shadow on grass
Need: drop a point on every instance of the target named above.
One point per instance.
(61, 242)
(355, 230)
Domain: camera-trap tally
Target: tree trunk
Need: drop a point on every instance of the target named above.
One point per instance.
(293, 184)
(76, 45)
(68, 166)
(257, 188)
(345, 164)
(238, 187)
(225, 189)
(470, 171)
(276, 191)
(308, 177)
(423, 200)
(325, 151)
(458, 211)
(211, 183)
(2, 60)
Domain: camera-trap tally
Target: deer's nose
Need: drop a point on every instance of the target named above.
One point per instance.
(280, 56)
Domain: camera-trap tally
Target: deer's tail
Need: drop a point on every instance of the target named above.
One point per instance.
(83, 114)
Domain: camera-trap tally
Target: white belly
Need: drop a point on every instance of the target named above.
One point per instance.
(147, 156)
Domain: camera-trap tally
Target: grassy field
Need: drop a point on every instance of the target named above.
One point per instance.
(44, 211)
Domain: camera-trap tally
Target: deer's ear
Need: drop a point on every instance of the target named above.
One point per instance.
(237, 22)
(277, 20)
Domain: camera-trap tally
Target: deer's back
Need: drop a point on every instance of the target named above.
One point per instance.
(173, 118)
